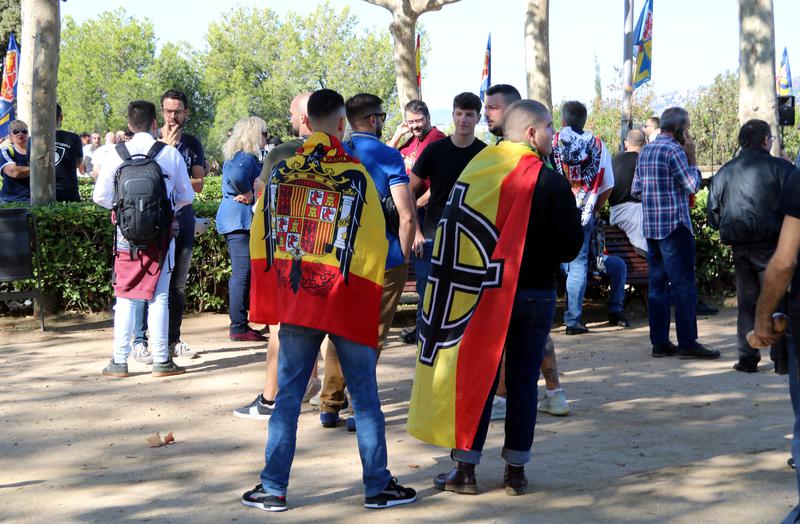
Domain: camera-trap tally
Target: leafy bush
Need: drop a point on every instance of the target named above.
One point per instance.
(714, 260)
(76, 239)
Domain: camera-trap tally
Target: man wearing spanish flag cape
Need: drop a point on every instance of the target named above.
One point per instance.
(510, 221)
(318, 253)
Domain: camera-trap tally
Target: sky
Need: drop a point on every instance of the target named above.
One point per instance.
(693, 40)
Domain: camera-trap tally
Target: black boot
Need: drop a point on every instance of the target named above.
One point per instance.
(461, 479)
(514, 480)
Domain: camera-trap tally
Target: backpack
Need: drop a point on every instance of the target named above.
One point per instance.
(141, 205)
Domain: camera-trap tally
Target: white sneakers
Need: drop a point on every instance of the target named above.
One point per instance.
(555, 404)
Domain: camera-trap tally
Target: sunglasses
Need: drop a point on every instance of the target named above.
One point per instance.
(20, 131)
(382, 116)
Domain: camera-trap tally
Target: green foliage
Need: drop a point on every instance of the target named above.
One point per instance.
(714, 261)
(606, 117)
(256, 63)
(76, 240)
(103, 66)
(10, 21)
(714, 118)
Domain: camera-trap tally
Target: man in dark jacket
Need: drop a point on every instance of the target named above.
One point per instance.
(742, 204)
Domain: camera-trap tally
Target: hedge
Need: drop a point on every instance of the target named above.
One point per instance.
(76, 240)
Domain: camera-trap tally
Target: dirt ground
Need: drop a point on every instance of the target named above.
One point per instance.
(648, 440)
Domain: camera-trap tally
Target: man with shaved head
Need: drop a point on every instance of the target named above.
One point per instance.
(626, 209)
(553, 235)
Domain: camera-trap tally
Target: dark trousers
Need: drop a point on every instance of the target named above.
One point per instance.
(794, 392)
(749, 265)
(671, 264)
(531, 320)
(239, 283)
(184, 242)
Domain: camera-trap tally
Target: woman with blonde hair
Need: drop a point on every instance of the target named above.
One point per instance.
(242, 166)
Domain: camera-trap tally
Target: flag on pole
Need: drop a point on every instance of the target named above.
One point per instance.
(486, 75)
(419, 68)
(8, 89)
(785, 76)
(643, 45)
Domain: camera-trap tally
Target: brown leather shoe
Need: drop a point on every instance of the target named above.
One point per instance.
(514, 480)
(461, 479)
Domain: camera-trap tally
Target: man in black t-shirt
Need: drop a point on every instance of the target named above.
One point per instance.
(626, 210)
(782, 270)
(69, 158)
(442, 163)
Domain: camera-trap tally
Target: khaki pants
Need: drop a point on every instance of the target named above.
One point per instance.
(332, 396)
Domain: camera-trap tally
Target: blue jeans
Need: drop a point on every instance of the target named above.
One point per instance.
(531, 320)
(422, 268)
(577, 271)
(299, 348)
(671, 265)
(184, 242)
(239, 283)
(794, 392)
(617, 273)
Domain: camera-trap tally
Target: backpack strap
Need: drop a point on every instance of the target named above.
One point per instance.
(158, 145)
(122, 151)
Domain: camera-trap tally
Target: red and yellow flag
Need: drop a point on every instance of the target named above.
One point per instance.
(470, 293)
(318, 244)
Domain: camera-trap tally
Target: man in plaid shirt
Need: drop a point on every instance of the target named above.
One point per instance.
(667, 178)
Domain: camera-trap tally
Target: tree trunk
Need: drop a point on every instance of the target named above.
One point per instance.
(757, 94)
(41, 36)
(403, 29)
(537, 51)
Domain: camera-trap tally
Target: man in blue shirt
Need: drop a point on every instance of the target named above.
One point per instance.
(667, 178)
(386, 167)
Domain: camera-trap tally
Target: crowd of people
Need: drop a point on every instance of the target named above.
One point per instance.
(322, 231)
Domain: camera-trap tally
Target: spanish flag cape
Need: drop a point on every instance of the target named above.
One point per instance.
(318, 244)
(467, 307)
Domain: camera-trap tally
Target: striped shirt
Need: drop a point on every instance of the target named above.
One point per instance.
(665, 181)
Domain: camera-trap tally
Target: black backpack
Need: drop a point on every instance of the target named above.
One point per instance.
(141, 204)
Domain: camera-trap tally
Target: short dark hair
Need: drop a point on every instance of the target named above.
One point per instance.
(673, 118)
(753, 133)
(324, 102)
(417, 106)
(361, 105)
(84, 135)
(141, 115)
(175, 94)
(574, 114)
(59, 114)
(467, 101)
(655, 120)
(509, 92)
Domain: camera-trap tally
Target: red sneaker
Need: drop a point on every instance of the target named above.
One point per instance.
(251, 335)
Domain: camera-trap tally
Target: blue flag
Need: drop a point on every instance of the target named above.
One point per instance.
(643, 45)
(8, 89)
(785, 76)
(486, 75)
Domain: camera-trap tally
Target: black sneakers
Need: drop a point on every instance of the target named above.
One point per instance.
(664, 350)
(697, 351)
(577, 329)
(392, 495)
(258, 498)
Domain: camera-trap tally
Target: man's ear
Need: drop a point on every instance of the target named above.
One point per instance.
(342, 124)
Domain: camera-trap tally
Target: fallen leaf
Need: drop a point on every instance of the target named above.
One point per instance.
(169, 439)
(154, 441)
(413, 466)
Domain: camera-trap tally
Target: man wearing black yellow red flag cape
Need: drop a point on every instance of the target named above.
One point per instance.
(318, 254)
(509, 223)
